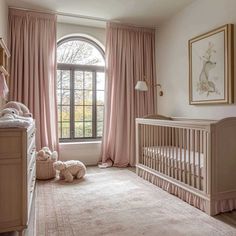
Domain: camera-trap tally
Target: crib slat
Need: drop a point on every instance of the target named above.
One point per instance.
(159, 147)
(156, 148)
(199, 159)
(162, 148)
(140, 142)
(181, 148)
(166, 155)
(154, 145)
(205, 155)
(169, 150)
(143, 143)
(188, 156)
(146, 145)
(149, 145)
(194, 152)
(173, 152)
(185, 150)
(176, 152)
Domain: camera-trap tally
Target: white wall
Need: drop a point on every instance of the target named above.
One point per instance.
(67, 29)
(3, 27)
(172, 56)
(88, 152)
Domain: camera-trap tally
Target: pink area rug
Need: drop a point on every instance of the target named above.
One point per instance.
(116, 202)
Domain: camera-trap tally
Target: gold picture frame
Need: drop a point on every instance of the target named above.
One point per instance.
(211, 67)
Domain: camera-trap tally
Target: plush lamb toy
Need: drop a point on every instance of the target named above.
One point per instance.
(45, 154)
(9, 113)
(70, 169)
(20, 107)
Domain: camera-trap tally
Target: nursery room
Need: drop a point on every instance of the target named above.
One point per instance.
(117, 118)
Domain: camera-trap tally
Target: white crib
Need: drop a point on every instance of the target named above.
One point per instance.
(192, 159)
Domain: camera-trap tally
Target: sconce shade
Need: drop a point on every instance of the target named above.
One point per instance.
(141, 86)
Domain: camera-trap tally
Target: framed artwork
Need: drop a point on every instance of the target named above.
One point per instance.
(211, 67)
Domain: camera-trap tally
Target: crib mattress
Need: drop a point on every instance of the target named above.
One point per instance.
(176, 154)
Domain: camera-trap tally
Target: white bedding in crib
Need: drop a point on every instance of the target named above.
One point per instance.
(174, 153)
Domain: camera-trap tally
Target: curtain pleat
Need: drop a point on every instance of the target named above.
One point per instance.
(130, 57)
(32, 43)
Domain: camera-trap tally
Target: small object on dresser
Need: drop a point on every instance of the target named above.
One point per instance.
(22, 109)
(44, 164)
(70, 170)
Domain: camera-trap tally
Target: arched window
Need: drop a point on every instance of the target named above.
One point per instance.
(80, 89)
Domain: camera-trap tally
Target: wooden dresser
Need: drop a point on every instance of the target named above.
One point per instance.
(17, 177)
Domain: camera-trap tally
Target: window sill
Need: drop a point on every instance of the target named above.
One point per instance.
(81, 142)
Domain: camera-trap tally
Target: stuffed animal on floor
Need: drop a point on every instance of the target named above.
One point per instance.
(70, 169)
(46, 154)
(20, 107)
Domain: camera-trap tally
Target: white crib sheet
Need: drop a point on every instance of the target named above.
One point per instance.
(174, 154)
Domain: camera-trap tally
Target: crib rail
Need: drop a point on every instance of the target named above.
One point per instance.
(176, 149)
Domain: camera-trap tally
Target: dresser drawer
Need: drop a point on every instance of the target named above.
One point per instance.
(10, 144)
(17, 159)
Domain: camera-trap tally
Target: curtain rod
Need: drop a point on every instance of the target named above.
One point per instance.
(64, 14)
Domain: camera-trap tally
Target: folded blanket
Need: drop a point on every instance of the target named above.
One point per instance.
(15, 121)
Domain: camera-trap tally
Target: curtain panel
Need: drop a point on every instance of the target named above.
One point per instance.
(32, 43)
(130, 57)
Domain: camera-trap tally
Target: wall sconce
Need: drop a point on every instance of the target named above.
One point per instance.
(143, 86)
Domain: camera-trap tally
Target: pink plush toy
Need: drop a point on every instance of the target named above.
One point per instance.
(20, 107)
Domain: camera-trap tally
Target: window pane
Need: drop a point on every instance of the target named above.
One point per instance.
(65, 79)
(59, 113)
(58, 79)
(58, 96)
(88, 80)
(78, 97)
(99, 129)
(100, 81)
(100, 97)
(65, 97)
(88, 129)
(78, 79)
(59, 129)
(88, 96)
(78, 51)
(79, 129)
(99, 113)
(79, 113)
(88, 113)
(65, 113)
(65, 130)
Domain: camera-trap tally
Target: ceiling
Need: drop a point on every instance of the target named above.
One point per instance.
(148, 13)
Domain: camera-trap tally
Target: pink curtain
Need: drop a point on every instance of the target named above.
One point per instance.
(32, 43)
(130, 56)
